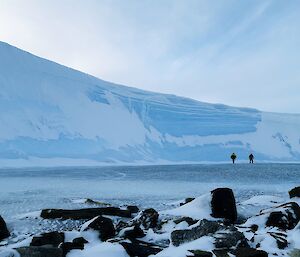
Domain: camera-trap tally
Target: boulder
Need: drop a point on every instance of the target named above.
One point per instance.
(133, 208)
(149, 218)
(199, 253)
(51, 239)
(254, 228)
(249, 252)
(223, 204)
(132, 232)
(295, 192)
(34, 251)
(140, 249)
(104, 225)
(226, 239)
(4, 233)
(86, 214)
(205, 228)
(281, 239)
(77, 243)
(69, 246)
(221, 253)
(285, 216)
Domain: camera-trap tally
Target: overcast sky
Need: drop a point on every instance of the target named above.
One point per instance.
(241, 53)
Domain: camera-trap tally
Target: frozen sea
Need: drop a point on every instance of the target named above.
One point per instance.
(29, 190)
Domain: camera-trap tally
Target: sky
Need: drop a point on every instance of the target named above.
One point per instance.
(239, 53)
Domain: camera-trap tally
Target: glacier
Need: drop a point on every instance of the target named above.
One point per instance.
(54, 115)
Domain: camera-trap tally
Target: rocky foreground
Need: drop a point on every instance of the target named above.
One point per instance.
(207, 226)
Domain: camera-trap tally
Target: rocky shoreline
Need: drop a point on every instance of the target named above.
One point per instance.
(207, 226)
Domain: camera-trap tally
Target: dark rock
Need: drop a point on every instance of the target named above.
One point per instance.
(133, 232)
(149, 218)
(69, 246)
(249, 252)
(282, 243)
(240, 220)
(221, 253)
(34, 251)
(199, 253)
(86, 214)
(205, 228)
(285, 216)
(121, 225)
(133, 208)
(244, 243)
(140, 249)
(228, 239)
(105, 227)
(4, 233)
(79, 241)
(51, 238)
(295, 192)
(163, 243)
(281, 239)
(223, 204)
(188, 220)
(187, 200)
(254, 228)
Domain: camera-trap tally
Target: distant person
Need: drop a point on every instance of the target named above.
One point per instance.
(251, 158)
(233, 157)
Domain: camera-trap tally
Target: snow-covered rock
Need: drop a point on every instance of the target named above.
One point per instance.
(103, 225)
(199, 208)
(51, 115)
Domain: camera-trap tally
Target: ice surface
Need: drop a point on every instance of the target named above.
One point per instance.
(52, 115)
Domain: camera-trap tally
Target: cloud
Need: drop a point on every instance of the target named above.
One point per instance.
(241, 53)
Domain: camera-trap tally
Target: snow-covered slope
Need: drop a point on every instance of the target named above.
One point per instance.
(51, 112)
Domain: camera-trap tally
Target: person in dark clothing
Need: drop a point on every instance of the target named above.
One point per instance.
(233, 157)
(251, 158)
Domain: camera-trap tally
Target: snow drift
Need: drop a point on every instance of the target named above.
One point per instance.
(53, 114)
